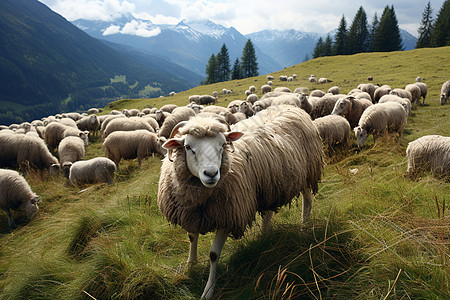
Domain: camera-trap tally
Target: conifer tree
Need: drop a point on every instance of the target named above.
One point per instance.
(340, 42)
(372, 31)
(211, 70)
(426, 27)
(328, 46)
(236, 73)
(358, 33)
(318, 49)
(249, 64)
(387, 36)
(441, 32)
(223, 64)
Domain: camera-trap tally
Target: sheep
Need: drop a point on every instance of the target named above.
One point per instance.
(290, 79)
(95, 170)
(354, 91)
(334, 131)
(394, 98)
(178, 115)
(70, 150)
(415, 91)
(270, 83)
(429, 153)
(282, 89)
(333, 90)
(252, 98)
(152, 121)
(378, 119)
(401, 93)
(369, 78)
(266, 89)
(351, 109)
(231, 118)
(300, 89)
(215, 94)
(146, 111)
(270, 77)
(445, 92)
(55, 132)
(73, 115)
(194, 99)
(108, 119)
(306, 103)
(317, 93)
(323, 80)
(380, 92)
(16, 193)
(323, 106)
(168, 108)
(312, 79)
(68, 122)
(224, 91)
(246, 108)
(207, 100)
(115, 112)
(204, 186)
(126, 124)
(90, 123)
(134, 112)
(233, 106)
(214, 109)
(171, 94)
(93, 110)
(283, 78)
(262, 104)
(160, 116)
(24, 151)
(423, 90)
(287, 99)
(363, 95)
(247, 92)
(132, 144)
(368, 88)
(252, 89)
(418, 79)
(294, 76)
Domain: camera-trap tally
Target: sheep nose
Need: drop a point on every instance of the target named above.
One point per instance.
(211, 173)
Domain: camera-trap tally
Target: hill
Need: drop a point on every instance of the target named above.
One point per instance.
(48, 65)
(375, 234)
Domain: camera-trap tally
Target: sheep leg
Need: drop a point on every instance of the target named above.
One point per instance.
(307, 204)
(11, 222)
(214, 255)
(266, 220)
(193, 239)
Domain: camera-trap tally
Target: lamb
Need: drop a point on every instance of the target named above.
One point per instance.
(204, 186)
(252, 98)
(207, 100)
(429, 153)
(423, 90)
(180, 114)
(334, 131)
(282, 89)
(266, 89)
(333, 90)
(380, 118)
(380, 92)
(15, 193)
(445, 92)
(402, 93)
(351, 109)
(132, 144)
(403, 101)
(95, 170)
(70, 150)
(415, 91)
(126, 124)
(24, 151)
(90, 123)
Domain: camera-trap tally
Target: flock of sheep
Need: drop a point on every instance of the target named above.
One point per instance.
(221, 165)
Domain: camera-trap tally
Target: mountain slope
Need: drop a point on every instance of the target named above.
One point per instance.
(47, 65)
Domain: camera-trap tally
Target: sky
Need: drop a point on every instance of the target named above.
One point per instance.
(247, 16)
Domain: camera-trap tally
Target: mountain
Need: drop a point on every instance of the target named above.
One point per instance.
(409, 41)
(189, 44)
(48, 65)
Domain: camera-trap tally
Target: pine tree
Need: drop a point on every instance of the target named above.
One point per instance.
(441, 32)
(328, 46)
(211, 70)
(387, 36)
(372, 31)
(236, 73)
(318, 49)
(223, 64)
(358, 33)
(249, 64)
(426, 27)
(340, 43)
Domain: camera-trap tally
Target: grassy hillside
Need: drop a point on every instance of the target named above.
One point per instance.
(374, 234)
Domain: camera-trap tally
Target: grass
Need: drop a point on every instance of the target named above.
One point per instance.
(374, 234)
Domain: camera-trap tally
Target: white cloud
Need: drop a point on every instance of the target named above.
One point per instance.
(143, 29)
(113, 29)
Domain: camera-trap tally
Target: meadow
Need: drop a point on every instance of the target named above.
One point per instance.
(374, 233)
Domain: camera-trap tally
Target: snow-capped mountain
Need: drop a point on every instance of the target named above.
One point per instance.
(189, 44)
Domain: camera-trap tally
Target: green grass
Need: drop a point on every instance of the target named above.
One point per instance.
(374, 233)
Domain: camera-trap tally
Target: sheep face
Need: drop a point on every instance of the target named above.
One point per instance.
(444, 98)
(31, 207)
(361, 135)
(341, 108)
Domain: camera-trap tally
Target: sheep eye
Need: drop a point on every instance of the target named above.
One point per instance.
(188, 148)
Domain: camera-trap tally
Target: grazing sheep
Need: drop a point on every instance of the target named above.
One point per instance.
(133, 144)
(282, 89)
(290, 78)
(283, 78)
(394, 98)
(418, 79)
(215, 94)
(204, 186)
(95, 170)
(401, 93)
(354, 91)
(252, 89)
(429, 153)
(160, 116)
(351, 109)
(380, 118)
(294, 76)
(317, 93)
(334, 131)
(423, 90)
(152, 121)
(380, 92)
(134, 112)
(247, 92)
(369, 78)
(252, 98)
(90, 123)
(68, 122)
(171, 94)
(126, 124)
(146, 111)
(168, 108)
(70, 150)
(312, 78)
(270, 77)
(207, 100)
(93, 110)
(333, 90)
(445, 92)
(368, 88)
(270, 83)
(108, 119)
(55, 132)
(115, 112)
(231, 118)
(266, 89)
(180, 114)
(323, 106)
(362, 95)
(306, 102)
(73, 115)
(415, 91)
(24, 151)
(16, 193)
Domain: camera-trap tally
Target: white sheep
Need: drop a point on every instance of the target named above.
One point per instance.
(266, 88)
(283, 78)
(207, 100)
(423, 90)
(205, 186)
(282, 89)
(317, 93)
(368, 88)
(394, 98)
(334, 131)
(445, 92)
(16, 193)
(233, 106)
(429, 153)
(93, 110)
(270, 77)
(70, 150)
(323, 80)
(287, 99)
(380, 92)
(301, 89)
(415, 91)
(379, 119)
(168, 108)
(333, 90)
(90, 123)
(252, 98)
(95, 170)
(55, 132)
(402, 93)
(351, 109)
(180, 114)
(252, 89)
(126, 124)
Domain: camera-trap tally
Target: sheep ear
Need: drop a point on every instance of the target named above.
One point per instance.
(233, 135)
(173, 144)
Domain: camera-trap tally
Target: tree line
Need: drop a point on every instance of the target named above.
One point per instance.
(218, 68)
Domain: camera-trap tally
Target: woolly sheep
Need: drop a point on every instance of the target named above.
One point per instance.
(95, 170)
(401, 93)
(418, 79)
(70, 150)
(334, 131)
(301, 89)
(282, 89)
(194, 99)
(233, 106)
(333, 90)
(93, 110)
(415, 91)
(324, 105)
(207, 100)
(323, 80)
(252, 98)
(68, 122)
(132, 144)
(368, 88)
(445, 92)
(270, 77)
(317, 93)
(429, 153)
(423, 90)
(215, 94)
(354, 91)
(380, 92)
(247, 92)
(115, 112)
(266, 89)
(108, 119)
(287, 99)
(168, 108)
(171, 94)
(231, 118)
(24, 151)
(283, 78)
(312, 79)
(55, 132)
(180, 114)
(214, 109)
(90, 123)
(290, 78)
(380, 118)
(246, 108)
(252, 88)
(131, 112)
(270, 83)
(146, 111)
(160, 116)
(394, 98)
(351, 109)
(16, 193)
(205, 186)
(126, 124)
(73, 115)
(262, 104)
(152, 121)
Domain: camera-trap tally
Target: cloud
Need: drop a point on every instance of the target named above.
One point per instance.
(113, 29)
(140, 28)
